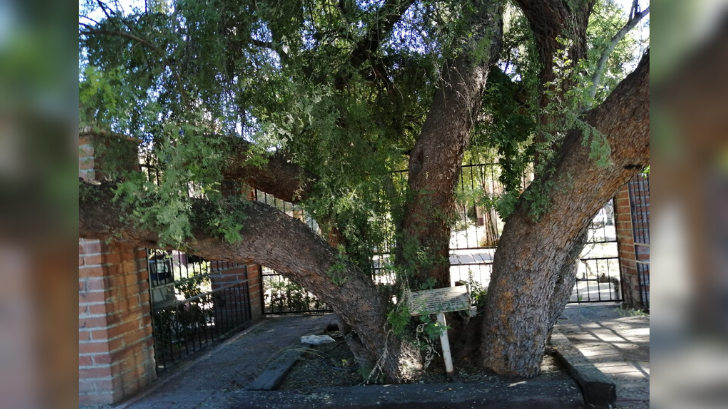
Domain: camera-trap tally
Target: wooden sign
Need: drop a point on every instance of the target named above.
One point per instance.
(439, 300)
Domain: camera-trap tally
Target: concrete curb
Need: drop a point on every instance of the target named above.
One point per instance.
(597, 388)
(274, 373)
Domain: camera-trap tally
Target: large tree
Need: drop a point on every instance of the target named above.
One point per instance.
(319, 102)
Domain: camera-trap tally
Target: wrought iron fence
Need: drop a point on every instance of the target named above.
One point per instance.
(472, 246)
(639, 195)
(187, 313)
(598, 276)
(189, 325)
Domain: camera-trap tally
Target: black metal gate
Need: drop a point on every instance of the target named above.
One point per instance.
(478, 229)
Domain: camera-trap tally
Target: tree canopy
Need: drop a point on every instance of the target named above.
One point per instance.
(319, 102)
(340, 88)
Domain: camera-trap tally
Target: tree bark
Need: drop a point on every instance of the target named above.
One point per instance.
(283, 243)
(528, 280)
(549, 21)
(435, 160)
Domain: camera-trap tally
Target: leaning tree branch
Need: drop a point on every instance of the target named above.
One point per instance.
(268, 234)
(271, 238)
(602, 64)
(624, 118)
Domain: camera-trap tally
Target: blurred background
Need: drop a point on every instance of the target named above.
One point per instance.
(689, 126)
(38, 203)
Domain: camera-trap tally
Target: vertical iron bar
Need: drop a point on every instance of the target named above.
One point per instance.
(609, 281)
(262, 289)
(159, 339)
(184, 329)
(204, 319)
(240, 305)
(588, 293)
(599, 285)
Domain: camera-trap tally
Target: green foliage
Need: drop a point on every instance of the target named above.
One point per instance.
(506, 204)
(192, 80)
(399, 318)
(287, 296)
(196, 285)
(478, 294)
(431, 327)
(631, 312)
(511, 99)
(607, 18)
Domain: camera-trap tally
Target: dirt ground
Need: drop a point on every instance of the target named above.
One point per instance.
(334, 365)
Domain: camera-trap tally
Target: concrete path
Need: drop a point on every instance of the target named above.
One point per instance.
(618, 344)
(231, 366)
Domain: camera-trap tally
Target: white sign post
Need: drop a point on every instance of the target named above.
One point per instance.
(440, 301)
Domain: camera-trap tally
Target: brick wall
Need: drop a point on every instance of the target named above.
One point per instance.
(625, 245)
(115, 348)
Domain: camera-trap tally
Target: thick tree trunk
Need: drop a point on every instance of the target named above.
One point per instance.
(435, 160)
(531, 266)
(283, 243)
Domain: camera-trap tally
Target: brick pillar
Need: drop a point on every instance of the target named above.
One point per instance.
(255, 289)
(633, 257)
(115, 347)
(625, 247)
